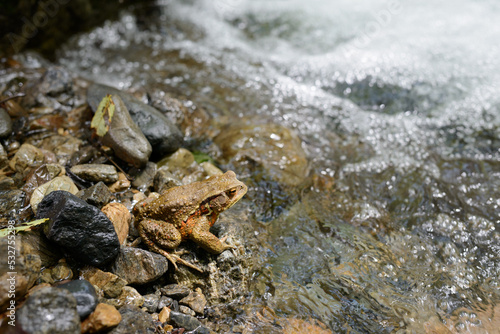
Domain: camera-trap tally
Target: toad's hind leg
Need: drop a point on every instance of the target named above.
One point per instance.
(158, 235)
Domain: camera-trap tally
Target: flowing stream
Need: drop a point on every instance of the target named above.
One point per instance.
(397, 106)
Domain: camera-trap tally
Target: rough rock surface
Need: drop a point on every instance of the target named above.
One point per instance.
(139, 266)
(82, 230)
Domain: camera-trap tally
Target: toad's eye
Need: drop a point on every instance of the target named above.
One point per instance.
(231, 192)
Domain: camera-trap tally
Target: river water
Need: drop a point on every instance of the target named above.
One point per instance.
(397, 108)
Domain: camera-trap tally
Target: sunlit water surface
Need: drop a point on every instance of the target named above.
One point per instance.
(397, 105)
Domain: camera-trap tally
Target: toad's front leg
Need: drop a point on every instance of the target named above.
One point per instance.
(158, 236)
(206, 240)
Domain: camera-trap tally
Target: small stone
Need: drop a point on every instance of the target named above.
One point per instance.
(82, 230)
(180, 159)
(124, 135)
(165, 180)
(42, 175)
(85, 295)
(175, 291)
(164, 302)
(59, 183)
(103, 318)
(122, 184)
(144, 179)
(45, 277)
(151, 302)
(11, 202)
(96, 172)
(134, 321)
(5, 123)
(139, 266)
(210, 169)
(97, 195)
(58, 305)
(163, 135)
(120, 217)
(62, 271)
(195, 300)
(186, 310)
(26, 157)
(201, 330)
(185, 321)
(164, 315)
(64, 147)
(129, 296)
(110, 284)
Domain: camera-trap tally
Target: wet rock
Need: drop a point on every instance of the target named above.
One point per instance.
(134, 321)
(151, 302)
(210, 169)
(164, 301)
(110, 284)
(42, 175)
(120, 217)
(96, 172)
(165, 180)
(129, 296)
(144, 180)
(184, 321)
(34, 242)
(161, 133)
(55, 81)
(63, 183)
(82, 230)
(297, 326)
(50, 311)
(5, 124)
(64, 147)
(97, 195)
(124, 135)
(164, 315)
(122, 184)
(195, 300)
(103, 318)
(272, 147)
(139, 266)
(202, 330)
(11, 201)
(186, 310)
(4, 160)
(27, 157)
(175, 291)
(61, 271)
(85, 295)
(25, 271)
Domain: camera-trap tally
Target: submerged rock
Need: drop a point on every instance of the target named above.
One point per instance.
(82, 230)
(50, 311)
(139, 266)
(184, 320)
(11, 201)
(85, 295)
(161, 133)
(5, 124)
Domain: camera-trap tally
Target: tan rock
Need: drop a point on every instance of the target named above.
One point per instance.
(104, 317)
(299, 326)
(26, 157)
(195, 300)
(58, 183)
(122, 184)
(129, 296)
(120, 217)
(164, 315)
(109, 283)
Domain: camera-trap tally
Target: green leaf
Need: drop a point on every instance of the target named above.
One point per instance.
(4, 232)
(200, 157)
(103, 116)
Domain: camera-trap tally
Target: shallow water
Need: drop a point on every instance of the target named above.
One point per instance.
(397, 107)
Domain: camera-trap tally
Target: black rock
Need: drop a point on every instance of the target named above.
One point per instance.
(184, 321)
(85, 295)
(134, 321)
(175, 291)
(5, 123)
(49, 311)
(96, 195)
(82, 230)
(162, 134)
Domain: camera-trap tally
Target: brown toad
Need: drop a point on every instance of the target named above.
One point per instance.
(187, 212)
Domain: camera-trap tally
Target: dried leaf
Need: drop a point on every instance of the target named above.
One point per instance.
(103, 116)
